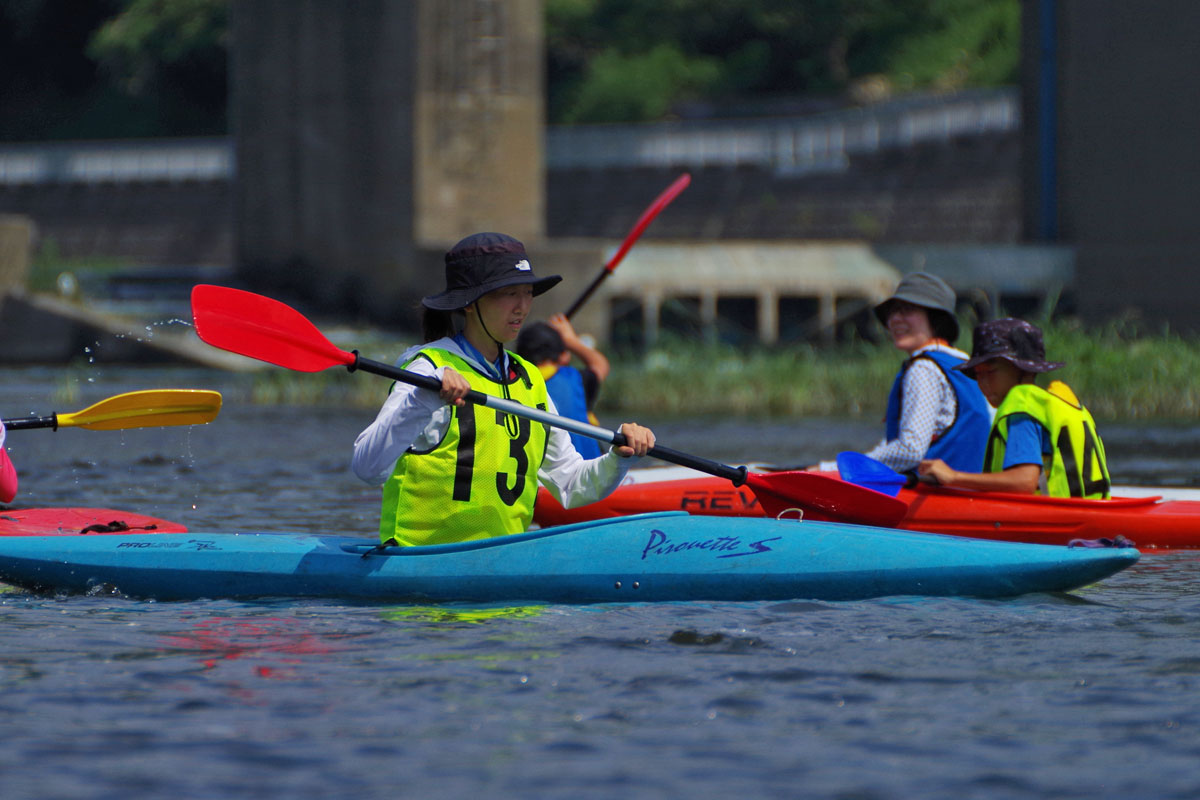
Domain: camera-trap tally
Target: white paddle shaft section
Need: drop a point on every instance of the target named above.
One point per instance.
(538, 415)
(735, 474)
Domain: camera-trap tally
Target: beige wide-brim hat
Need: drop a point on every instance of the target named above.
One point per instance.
(927, 291)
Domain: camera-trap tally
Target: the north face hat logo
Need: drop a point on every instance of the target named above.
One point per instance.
(523, 265)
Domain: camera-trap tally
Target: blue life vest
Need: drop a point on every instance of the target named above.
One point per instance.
(962, 444)
(565, 386)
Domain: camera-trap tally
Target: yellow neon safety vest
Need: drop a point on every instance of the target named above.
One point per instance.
(479, 480)
(1076, 466)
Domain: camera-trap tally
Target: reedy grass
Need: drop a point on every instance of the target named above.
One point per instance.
(1120, 375)
(683, 379)
(1117, 373)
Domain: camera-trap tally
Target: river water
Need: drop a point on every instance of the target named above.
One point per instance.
(1093, 694)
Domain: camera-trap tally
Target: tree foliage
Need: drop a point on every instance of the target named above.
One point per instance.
(71, 69)
(613, 60)
(977, 44)
(112, 68)
(172, 53)
(46, 79)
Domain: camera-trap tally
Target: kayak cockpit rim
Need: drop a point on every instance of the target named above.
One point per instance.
(493, 541)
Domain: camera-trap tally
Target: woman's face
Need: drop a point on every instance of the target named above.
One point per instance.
(909, 326)
(503, 311)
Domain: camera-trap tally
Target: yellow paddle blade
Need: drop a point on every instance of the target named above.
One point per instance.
(150, 408)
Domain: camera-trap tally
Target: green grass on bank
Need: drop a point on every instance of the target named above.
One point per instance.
(783, 382)
(49, 266)
(1118, 375)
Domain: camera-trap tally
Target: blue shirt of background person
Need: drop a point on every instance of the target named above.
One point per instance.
(550, 345)
(1028, 442)
(569, 393)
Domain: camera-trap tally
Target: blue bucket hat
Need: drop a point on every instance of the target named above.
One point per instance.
(1014, 340)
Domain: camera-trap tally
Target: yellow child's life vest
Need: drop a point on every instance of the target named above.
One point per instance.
(480, 480)
(1076, 466)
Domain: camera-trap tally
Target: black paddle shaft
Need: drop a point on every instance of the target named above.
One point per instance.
(32, 422)
(735, 474)
(595, 284)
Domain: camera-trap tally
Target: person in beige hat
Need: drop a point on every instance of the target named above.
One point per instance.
(933, 411)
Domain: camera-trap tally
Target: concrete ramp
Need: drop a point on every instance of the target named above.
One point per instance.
(38, 328)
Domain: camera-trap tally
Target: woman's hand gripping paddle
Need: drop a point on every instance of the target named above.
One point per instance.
(151, 408)
(652, 211)
(259, 327)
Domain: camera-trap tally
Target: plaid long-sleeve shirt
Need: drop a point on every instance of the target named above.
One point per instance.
(928, 407)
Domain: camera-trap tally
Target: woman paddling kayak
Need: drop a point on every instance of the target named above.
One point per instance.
(1043, 440)
(453, 471)
(933, 411)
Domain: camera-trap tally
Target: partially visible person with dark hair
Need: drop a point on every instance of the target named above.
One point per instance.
(549, 346)
(933, 411)
(1043, 440)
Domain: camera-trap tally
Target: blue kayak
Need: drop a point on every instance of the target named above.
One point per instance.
(645, 558)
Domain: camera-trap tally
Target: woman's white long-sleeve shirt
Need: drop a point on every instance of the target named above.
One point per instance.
(418, 418)
(928, 408)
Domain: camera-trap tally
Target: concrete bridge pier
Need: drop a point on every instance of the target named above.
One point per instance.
(372, 135)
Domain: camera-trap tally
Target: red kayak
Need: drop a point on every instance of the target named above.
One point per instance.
(1150, 522)
(75, 521)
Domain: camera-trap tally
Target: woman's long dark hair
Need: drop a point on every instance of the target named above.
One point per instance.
(944, 326)
(437, 324)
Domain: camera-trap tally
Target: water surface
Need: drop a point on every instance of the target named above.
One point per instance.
(1090, 695)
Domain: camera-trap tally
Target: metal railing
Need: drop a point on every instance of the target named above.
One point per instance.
(793, 145)
(822, 142)
(117, 161)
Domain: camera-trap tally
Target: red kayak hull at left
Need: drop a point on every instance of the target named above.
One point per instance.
(1150, 522)
(77, 521)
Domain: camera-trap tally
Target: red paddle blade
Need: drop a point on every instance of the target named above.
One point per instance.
(660, 202)
(252, 325)
(825, 498)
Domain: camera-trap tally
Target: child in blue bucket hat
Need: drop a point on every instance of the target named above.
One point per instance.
(1042, 440)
